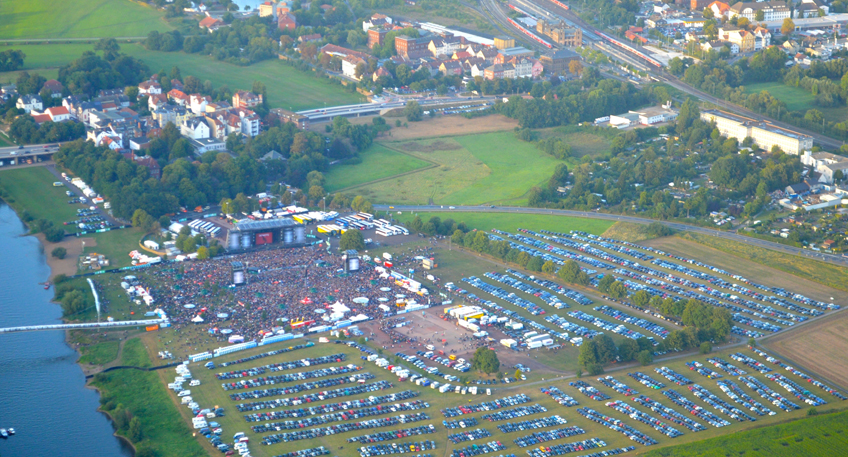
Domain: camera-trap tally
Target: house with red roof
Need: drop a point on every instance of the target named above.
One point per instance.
(179, 97)
(58, 114)
(286, 21)
(55, 88)
(149, 87)
(211, 24)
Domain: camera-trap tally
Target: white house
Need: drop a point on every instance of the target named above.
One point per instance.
(29, 103)
(149, 87)
(198, 103)
(194, 128)
(58, 114)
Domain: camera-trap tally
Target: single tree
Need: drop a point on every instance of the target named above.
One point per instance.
(352, 239)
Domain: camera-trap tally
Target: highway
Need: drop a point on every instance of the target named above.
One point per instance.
(326, 114)
(13, 152)
(671, 80)
(829, 258)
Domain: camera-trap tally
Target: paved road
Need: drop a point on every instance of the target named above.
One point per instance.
(61, 40)
(830, 258)
(28, 150)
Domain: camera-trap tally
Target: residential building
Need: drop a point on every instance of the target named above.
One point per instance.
(376, 36)
(506, 54)
(244, 99)
(504, 42)
(699, 5)
(477, 69)
(54, 87)
(341, 52)
(811, 8)
(266, 9)
(139, 143)
(508, 71)
(377, 20)
(300, 120)
(717, 45)
(719, 9)
(743, 38)
(349, 64)
(558, 61)
(412, 48)
(656, 114)
(450, 67)
(149, 87)
(381, 73)
(29, 103)
(155, 101)
(495, 71)
(174, 114)
(772, 11)
(446, 45)
(152, 166)
(825, 163)
(179, 97)
(211, 24)
(762, 38)
(194, 128)
(560, 33)
(309, 38)
(765, 135)
(204, 145)
(197, 103)
(58, 114)
(286, 21)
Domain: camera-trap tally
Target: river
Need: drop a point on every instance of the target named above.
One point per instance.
(43, 391)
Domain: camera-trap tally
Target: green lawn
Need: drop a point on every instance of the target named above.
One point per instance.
(474, 169)
(144, 395)
(583, 140)
(797, 99)
(511, 222)
(378, 162)
(814, 436)
(813, 270)
(78, 19)
(31, 189)
(5, 140)
(44, 59)
(287, 87)
(100, 353)
(116, 245)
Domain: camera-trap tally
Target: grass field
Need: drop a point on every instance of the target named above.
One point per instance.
(474, 169)
(813, 436)
(100, 353)
(31, 189)
(378, 162)
(820, 272)
(145, 397)
(209, 392)
(116, 245)
(78, 19)
(583, 141)
(796, 99)
(511, 222)
(287, 88)
(5, 140)
(627, 231)
(44, 59)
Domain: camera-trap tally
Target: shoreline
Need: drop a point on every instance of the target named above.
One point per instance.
(55, 265)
